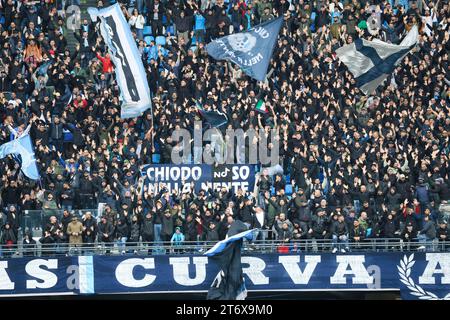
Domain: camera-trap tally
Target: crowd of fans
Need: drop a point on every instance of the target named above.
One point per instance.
(360, 166)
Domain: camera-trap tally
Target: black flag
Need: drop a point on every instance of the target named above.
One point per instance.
(229, 283)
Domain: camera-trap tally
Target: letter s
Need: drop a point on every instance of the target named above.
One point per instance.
(49, 279)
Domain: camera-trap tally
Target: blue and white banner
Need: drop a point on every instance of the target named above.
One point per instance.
(250, 50)
(424, 276)
(371, 62)
(22, 146)
(130, 72)
(204, 176)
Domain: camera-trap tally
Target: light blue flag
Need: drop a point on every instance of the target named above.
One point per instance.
(128, 66)
(371, 62)
(22, 146)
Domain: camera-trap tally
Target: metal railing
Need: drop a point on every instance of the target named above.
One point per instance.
(199, 247)
(37, 219)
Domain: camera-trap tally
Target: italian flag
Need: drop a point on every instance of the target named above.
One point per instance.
(261, 106)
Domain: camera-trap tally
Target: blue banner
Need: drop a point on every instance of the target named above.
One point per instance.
(424, 276)
(203, 176)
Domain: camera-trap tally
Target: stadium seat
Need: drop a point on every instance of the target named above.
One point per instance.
(160, 40)
(148, 39)
(156, 158)
(170, 29)
(147, 30)
(193, 48)
(288, 189)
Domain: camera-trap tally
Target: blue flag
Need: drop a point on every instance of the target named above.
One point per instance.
(22, 146)
(250, 50)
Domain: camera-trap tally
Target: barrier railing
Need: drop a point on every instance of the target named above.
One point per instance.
(199, 247)
(37, 219)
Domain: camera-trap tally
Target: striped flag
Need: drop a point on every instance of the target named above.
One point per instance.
(371, 62)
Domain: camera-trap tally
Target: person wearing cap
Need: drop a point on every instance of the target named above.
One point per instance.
(422, 193)
(177, 240)
(403, 187)
(409, 233)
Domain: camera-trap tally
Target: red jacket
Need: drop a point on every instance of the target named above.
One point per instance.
(107, 64)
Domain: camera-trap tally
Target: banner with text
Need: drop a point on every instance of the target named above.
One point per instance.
(424, 276)
(203, 176)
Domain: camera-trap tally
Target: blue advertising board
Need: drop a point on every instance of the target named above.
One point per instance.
(423, 276)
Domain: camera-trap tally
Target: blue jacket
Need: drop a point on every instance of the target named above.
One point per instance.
(199, 22)
(177, 238)
(422, 193)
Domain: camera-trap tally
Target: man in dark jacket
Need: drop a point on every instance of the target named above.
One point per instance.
(442, 234)
(89, 230)
(427, 234)
(422, 194)
(48, 244)
(409, 234)
(339, 233)
(56, 134)
(246, 213)
(66, 197)
(167, 225)
(319, 225)
(357, 233)
(183, 23)
(106, 233)
(86, 191)
(264, 183)
(147, 231)
(212, 231)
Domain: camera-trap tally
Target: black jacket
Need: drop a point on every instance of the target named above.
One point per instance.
(339, 229)
(147, 229)
(106, 228)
